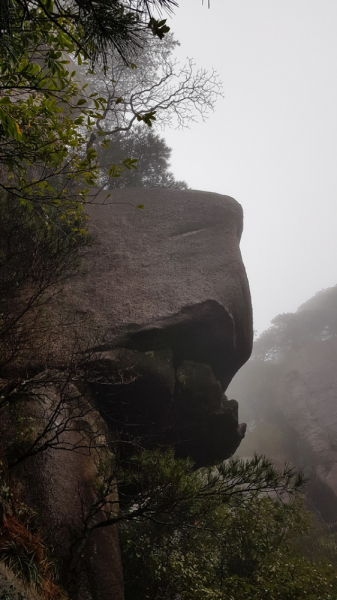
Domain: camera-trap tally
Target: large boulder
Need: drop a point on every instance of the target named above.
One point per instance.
(161, 317)
(165, 287)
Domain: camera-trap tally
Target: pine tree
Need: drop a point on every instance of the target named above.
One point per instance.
(93, 28)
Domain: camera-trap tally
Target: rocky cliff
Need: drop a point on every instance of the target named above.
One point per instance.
(161, 317)
(167, 295)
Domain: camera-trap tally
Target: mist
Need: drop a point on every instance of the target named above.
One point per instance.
(271, 142)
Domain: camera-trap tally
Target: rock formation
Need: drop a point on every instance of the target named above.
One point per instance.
(163, 313)
(166, 290)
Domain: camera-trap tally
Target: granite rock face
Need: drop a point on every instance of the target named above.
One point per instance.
(166, 292)
(162, 318)
(60, 485)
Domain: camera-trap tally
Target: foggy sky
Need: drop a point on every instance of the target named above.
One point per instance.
(272, 142)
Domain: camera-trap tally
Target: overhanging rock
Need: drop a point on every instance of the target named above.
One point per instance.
(165, 296)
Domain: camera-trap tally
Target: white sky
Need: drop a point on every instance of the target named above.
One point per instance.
(272, 142)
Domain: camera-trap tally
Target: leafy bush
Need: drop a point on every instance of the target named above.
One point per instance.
(235, 532)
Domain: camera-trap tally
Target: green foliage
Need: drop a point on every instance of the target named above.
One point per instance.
(42, 148)
(151, 169)
(38, 252)
(22, 562)
(158, 28)
(168, 483)
(231, 532)
(24, 553)
(92, 29)
(46, 114)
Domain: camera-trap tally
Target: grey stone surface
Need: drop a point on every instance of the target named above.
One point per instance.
(58, 484)
(164, 311)
(167, 280)
(168, 275)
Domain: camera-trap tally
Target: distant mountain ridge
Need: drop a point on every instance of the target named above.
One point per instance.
(289, 393)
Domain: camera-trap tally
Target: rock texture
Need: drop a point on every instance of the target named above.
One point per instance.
(164, 262)
(165, 287)
(162, 317)
(60, 485)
